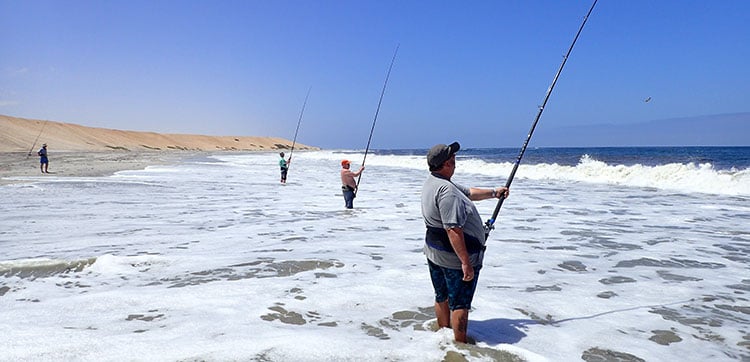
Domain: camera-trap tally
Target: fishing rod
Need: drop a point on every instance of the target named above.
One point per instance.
(37, 139)
(388, 75)
(298, 123)
(489, 225)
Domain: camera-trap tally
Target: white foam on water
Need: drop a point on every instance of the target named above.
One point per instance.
(688, 177)
(218, 261)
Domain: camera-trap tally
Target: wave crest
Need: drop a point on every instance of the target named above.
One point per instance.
(686, 178)
(682, 177)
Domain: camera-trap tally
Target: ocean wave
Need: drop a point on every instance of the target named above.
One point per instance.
(109, 264)
(106, 264)
(42, 267)
(681, 177)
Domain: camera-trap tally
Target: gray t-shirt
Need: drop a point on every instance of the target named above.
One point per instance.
(447, 205)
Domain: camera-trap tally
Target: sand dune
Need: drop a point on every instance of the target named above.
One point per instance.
(19, 134)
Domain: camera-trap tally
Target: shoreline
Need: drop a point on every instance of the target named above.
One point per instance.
(80, 151)
(84, 163)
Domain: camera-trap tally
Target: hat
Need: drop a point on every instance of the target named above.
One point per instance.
(44, 145)
(441, 153)
(345, 162)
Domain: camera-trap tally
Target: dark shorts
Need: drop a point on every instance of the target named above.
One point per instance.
(43, 159)
(449, 284)
(349, 196)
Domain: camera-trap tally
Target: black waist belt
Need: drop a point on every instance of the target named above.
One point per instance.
(347, 188)
(437, 238)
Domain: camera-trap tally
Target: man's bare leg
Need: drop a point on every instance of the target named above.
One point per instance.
(443, 314)
(460, 323)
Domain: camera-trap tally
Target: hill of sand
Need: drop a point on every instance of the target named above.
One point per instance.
(19, 134)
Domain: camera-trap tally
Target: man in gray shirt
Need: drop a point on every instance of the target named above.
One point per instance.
(455, 238)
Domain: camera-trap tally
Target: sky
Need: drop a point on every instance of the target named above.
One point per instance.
(469, 71)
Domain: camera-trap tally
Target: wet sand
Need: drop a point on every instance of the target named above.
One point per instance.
(14, 166)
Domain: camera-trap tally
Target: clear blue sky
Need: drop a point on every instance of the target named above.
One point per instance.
(470, 71)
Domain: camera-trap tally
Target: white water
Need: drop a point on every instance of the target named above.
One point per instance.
(214, 260)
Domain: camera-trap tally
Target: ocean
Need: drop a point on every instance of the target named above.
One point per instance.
(601, 254)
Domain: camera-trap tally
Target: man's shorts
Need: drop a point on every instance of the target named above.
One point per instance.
(448, 284)
(43, 160)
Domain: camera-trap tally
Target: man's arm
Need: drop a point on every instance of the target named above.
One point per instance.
(456, 237)
(478, 194)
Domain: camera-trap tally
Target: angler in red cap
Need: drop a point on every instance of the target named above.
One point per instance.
(348, 185)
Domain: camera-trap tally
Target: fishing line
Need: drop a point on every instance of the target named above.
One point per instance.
(37, 139)
(489, 225)
(294, 141)
(376, 116)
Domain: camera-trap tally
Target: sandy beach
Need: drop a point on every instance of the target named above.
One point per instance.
(81, 151)
(14, 166)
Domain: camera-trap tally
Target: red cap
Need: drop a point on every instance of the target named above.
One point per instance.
(345, 162)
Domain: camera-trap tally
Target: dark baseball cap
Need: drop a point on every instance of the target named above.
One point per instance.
(441, 153)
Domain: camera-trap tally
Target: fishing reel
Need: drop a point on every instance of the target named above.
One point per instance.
(488, 226)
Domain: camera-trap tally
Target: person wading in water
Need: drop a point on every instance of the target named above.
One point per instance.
(455, 238)
(348, 184)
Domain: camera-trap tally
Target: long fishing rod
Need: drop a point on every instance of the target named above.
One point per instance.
(388, 75)
(489, 225)
(298, 123)
(37, 139)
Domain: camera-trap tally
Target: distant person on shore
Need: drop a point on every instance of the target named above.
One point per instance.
(455, 238)
(43, 160)
(348, 185)
(284, 165)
